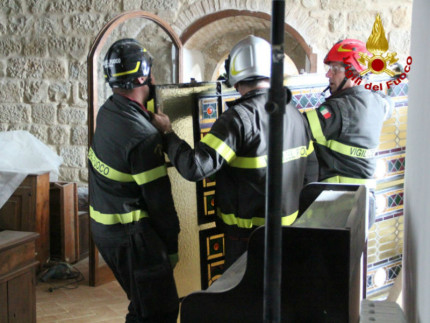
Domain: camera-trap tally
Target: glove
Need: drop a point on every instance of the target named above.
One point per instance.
(173, 258)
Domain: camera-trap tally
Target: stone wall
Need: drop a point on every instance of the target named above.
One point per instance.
(44, 46)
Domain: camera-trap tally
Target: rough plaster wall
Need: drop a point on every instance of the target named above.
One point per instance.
(178, 103)
(44, 46)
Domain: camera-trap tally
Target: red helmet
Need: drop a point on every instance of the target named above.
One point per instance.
(346, 52)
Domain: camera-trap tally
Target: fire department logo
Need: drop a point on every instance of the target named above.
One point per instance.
(377, 44)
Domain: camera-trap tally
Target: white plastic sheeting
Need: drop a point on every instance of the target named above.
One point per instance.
(22, 154)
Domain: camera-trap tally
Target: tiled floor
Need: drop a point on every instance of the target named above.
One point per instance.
(84, 304)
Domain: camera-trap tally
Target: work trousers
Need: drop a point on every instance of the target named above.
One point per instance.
(138, 259)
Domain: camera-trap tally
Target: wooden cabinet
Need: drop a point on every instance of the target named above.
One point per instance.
(69, 234)
(64, 221)
(28, 210)
(84, 234)
(17, 276)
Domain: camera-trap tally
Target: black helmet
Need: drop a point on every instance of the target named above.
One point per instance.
(125, 61)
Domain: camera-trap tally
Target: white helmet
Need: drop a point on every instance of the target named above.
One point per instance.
(249, 59)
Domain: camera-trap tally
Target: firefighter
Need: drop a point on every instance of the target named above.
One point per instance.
(347, 126)
(133, 219)
(236, 150)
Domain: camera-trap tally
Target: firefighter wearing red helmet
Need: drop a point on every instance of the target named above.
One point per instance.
(344, 55)
(133, 219)
(347, 126)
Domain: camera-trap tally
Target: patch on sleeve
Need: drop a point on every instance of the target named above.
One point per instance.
(324, 111)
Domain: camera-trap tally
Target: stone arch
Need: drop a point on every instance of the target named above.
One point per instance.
(206, 20)
(201, 13)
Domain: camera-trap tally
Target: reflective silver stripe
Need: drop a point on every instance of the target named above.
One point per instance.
(123, 218)
(108, 171)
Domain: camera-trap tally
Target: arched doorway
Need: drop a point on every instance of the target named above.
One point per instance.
(209, 39)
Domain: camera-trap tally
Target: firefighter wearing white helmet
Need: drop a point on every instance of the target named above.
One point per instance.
(249, 60)
(236, 150)
(133, 219)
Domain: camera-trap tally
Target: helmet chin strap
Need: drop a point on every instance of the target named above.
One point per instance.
(147, 82)
(341, 84)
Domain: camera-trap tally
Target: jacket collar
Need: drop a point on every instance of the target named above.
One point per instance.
(129, 103)
(248, 95)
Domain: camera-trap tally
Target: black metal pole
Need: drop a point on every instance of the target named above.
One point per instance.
(273, 234)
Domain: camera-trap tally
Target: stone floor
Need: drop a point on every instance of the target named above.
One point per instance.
(80, 303)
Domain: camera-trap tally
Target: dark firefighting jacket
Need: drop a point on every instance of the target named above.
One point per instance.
(128, 179)
(236, 150)
(346, 130)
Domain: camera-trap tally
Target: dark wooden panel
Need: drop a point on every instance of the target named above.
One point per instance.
(84, 234)
(17, 276)
(41, 216)
(3, 303)
(28, 210)
(22, 307)
(10, 213)
(14, 258)
(64, 222)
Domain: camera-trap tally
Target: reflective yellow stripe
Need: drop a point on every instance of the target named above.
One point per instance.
(150, 175)
(294, 153)
(150, 106)
(333, 144)
(123, 218)
(314, 123)
(231, 219)
(249, 162)
(129, 72)
(220, 146)
(289, 219)
(261, 161)
(371, 183)
(351, 150)
(106, 170)
(109, 172)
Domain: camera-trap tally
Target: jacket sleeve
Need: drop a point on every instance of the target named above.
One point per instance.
(216, 149)
(147, 160)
